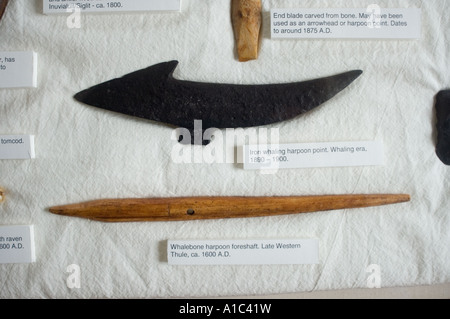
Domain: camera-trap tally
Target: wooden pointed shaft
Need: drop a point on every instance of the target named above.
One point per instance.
(195, 208)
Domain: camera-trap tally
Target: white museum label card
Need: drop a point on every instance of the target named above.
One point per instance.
(18, 69)
(243, 252)
(313, 155)
(63, 6)
(17, 244)
(372, 22)
(17, 147)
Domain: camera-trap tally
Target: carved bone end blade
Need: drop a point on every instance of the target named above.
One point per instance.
(246, 16)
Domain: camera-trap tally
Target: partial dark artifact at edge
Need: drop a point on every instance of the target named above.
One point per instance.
(443, 126)
(3, 4)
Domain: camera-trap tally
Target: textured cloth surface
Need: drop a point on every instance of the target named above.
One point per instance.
(85, 153)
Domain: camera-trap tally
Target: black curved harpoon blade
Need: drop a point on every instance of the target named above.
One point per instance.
(153, 93)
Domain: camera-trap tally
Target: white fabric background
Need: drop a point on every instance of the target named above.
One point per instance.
(85, 153)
